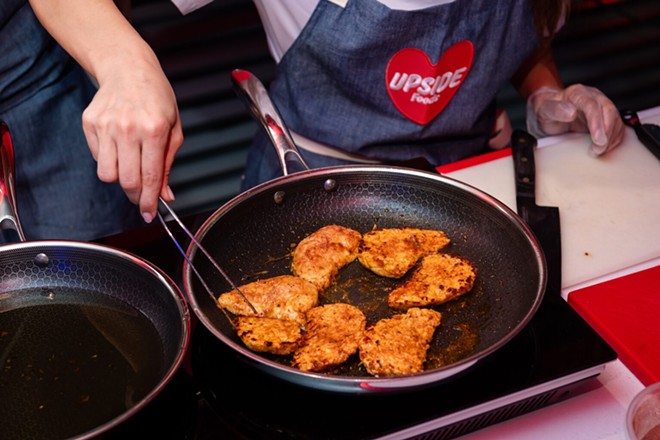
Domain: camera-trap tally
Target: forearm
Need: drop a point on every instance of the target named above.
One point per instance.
(538, 71)
(95, 33)
(132, 125)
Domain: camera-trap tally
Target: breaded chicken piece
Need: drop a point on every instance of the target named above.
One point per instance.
(393, 252)
(331, 336)
(320, 255)
(440, 278)
(269, 335)
(398, 345)
(282, 297)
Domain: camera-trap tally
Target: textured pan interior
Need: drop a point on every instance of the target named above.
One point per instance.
(251, 237)
(48, 276)
(86, 267)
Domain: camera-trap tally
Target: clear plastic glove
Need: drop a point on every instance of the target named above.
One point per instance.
(578, 108)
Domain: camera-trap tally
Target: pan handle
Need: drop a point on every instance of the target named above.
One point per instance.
(8, 213)
(253, 93)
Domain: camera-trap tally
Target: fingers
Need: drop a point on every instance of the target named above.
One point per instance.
(548, 113)
(600, 116)
(557, 111)
(90, 132)
(144, 164)
(152, 170)
(613, 129)
(587, 100)
(133, 133)
(617, 131)
(555, 116)
(106, 158)
(577, 108)
(127, 165)
(175, 142)
(111, 137)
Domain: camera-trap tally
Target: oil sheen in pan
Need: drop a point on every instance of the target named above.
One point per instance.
(71, 360)
(457, 337)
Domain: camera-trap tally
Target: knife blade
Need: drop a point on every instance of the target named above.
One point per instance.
(542, 220)
(648, 134)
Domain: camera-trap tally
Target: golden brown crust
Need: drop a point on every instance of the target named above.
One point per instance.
(398, 345)
(269, 335)
(331, 336)
(392, 252)
(282, 297)
(319, 256)
(440, 278)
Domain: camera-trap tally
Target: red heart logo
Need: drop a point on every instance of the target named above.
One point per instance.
(419, 89)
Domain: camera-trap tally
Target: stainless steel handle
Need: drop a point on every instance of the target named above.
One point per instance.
(8, 213)
(253, 93)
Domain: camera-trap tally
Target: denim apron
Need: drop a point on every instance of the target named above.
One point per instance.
(342, 82)
(42, 95)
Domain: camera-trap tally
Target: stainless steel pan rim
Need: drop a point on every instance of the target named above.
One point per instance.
(363, 384)
(103, 254)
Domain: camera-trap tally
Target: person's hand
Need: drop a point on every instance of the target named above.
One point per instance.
(134, 131)
(552, 111)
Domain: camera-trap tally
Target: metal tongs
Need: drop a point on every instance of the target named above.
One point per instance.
(204, 251)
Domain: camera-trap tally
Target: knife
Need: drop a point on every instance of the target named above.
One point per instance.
(648, 134)
(542, 220)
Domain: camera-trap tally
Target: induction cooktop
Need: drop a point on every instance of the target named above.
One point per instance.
(219, 394)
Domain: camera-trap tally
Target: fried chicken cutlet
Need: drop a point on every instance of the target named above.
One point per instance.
(398, 345)
(282, 297)
(440, 278)
(331, 336)
(320, 255)
(269, 335)
(392, 252)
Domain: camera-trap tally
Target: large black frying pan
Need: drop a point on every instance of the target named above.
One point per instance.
(89, 335)
(251, 237)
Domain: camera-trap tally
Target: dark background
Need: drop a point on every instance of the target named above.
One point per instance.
(613, 45)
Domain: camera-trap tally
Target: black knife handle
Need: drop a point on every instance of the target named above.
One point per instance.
(522, 147)
(648, 134)
(630, 118)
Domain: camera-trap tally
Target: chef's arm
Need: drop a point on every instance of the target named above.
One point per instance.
(553, 109)
(539, 70)
(132, 125)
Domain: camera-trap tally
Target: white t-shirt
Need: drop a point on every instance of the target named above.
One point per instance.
(284, 19)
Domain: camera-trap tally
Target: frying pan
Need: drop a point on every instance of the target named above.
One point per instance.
(251, 237)
(89, 334)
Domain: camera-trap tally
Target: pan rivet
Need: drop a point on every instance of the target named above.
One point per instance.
(279, 197)
(41, 260)
(330, 184)
(48, 293)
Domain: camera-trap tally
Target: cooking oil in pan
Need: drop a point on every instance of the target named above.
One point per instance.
(71, 361)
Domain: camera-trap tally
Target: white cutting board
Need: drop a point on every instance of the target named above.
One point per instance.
(609, 206)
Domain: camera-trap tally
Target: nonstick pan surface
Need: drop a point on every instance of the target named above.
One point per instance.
(89, 335)
(252, 236)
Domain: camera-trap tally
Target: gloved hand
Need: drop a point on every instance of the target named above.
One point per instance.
(552, 111)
